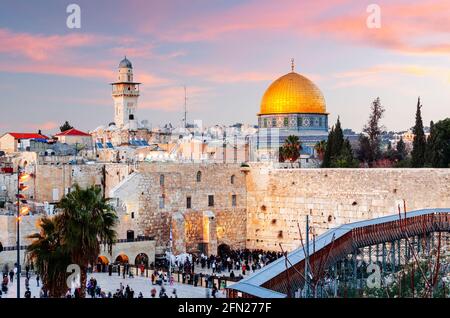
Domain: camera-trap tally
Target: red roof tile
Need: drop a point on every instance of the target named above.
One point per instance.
(72, 132)
(27, 136)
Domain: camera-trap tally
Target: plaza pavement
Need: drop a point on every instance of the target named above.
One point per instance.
(111, 284)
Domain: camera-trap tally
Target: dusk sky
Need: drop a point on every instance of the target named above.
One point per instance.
(226, 52)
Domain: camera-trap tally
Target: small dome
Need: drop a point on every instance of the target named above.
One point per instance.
(125, 63)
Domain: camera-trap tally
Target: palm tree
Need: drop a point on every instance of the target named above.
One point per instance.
(291, 149)
(50, 257)
(320, 149)
(87, 222)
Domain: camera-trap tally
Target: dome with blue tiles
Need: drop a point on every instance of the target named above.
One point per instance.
(125, 63)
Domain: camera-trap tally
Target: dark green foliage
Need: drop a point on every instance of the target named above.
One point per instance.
(290, 151)
(73, 236)
(338, 152)
(370, 146)
(419, 143)
(66, 126)
(438, 145)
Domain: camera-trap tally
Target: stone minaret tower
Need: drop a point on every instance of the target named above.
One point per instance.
(125, 93)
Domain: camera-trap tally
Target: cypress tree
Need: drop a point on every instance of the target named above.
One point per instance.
(327, 156)
(419, 143)
(338, 140)
(430, 146)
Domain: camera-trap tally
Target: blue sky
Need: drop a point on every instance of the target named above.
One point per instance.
(226, 53)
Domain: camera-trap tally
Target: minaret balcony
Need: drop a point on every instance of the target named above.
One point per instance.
(120, 92)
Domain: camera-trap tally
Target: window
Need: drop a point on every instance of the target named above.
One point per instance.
(199, 176)
(132, 215)
(286, 121)
(161, 201)
(233, 200)
(232, 179)
(188, 203)
(265, 122)
(161, 180)
(210, 200)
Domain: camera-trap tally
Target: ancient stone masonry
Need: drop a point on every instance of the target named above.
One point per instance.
(278, 200)
(213, 217)
(51, 182)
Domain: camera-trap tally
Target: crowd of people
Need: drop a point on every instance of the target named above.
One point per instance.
(235, 263)
(196, 270)
(8, 276)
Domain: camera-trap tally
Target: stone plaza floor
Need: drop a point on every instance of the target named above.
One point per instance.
(111, 284)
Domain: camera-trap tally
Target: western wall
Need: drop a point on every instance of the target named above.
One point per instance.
(279, 199)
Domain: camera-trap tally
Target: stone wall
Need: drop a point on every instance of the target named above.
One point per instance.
(279, 199)
(180, 181)
(51, 182)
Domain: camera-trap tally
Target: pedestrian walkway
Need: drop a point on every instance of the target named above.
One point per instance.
(111, 284)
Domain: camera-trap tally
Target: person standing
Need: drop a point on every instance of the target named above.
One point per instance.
(27, 293)
(37, 279)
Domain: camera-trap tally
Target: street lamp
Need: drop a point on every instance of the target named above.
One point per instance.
(24, 210)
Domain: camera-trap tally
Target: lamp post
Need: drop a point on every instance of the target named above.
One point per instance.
(21, 178)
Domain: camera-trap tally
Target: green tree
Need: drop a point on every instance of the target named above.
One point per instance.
(365, 150)
(87, 222)
(439, 144)
(373, 129)
(419, 143)
(430, 146)
(320, 149)
(401, 150)
(49, 256)
(336, 147)
(326, 163)
(66, 126)
(345, 159)
(291, 148)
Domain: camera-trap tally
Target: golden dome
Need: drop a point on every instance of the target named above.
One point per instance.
(292, 93)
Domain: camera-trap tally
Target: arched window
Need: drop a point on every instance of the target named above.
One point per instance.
(232, 179)
(199, 176)
(161, 180)
(162, 202)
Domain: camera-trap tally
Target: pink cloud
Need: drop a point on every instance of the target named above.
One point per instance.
(43, 47)
(49, 125)
(411, 27)
(223, 75)
(384, 74)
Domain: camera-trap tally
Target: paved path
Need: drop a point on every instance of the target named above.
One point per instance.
(111, 284)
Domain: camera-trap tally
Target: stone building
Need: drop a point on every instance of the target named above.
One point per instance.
(204, 205)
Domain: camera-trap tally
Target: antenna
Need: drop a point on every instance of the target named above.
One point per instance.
(185, 108)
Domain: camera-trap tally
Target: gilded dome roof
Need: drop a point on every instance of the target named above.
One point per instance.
(292, 93)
